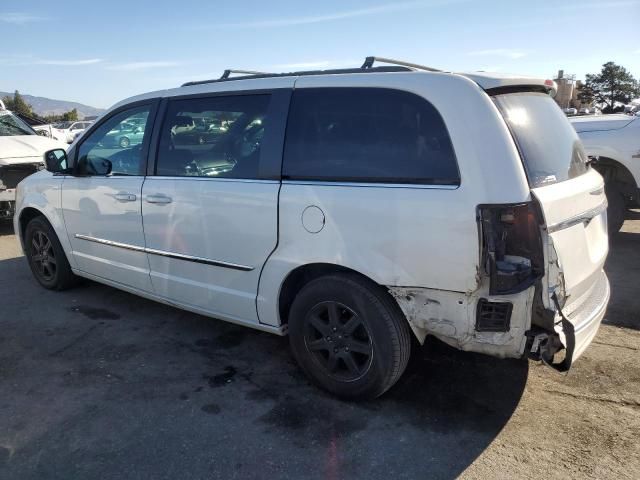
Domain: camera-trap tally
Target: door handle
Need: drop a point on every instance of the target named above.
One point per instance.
(162, 199)
(125, 197)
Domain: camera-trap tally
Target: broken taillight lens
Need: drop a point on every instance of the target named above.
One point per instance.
(512, 254)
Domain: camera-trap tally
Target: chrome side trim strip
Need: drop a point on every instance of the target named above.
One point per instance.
(163, 253)
(191, 258)
(111, 243)
(585, 217)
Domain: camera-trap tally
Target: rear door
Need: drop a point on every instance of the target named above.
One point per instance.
(210, 207)
(571, 194)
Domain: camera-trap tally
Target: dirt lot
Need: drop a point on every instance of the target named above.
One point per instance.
(97, 383)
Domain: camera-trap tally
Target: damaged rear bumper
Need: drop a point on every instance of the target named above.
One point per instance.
(451, 317)
(577, 326)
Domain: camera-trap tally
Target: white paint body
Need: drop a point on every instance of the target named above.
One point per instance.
(421, 242)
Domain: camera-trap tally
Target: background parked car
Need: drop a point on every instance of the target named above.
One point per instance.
(613, 142)
(21, 151)
(124, 135)
(66, 131)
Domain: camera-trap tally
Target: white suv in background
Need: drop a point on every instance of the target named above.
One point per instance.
(613, 142)
(21, 154)
(351, 209)
(68, 131)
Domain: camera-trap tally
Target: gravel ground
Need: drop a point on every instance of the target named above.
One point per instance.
(97, 383)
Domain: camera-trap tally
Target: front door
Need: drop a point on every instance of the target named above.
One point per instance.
(211, 209)
(102, 212)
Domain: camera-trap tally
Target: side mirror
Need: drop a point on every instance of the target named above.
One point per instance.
(56, 161)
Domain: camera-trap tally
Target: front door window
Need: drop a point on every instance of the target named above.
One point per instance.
(118, 140)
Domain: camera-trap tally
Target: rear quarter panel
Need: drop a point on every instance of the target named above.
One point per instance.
(403, 235)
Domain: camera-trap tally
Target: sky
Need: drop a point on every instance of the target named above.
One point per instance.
(98, 53)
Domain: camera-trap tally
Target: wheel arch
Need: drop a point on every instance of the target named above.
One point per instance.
(615, 172)
(53, 218)
(300, 276)
(26, 215)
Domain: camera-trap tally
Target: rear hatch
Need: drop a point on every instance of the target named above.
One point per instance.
(570, 195)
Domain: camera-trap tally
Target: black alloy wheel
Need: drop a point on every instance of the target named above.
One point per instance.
(43, 256)
(46, 256)
(338, 340)
(349, 335)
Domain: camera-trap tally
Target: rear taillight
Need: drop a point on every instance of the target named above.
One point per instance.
(512, 254)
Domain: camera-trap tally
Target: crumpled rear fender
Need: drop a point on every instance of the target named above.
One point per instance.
(450, 316)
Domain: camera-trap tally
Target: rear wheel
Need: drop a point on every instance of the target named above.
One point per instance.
(349, 336)
(46, 257)
(124, 142)
(616, 209)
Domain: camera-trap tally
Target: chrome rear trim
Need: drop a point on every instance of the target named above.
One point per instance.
(585, 217)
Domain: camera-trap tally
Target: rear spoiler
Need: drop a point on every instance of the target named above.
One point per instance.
(520, 89)
(496, 84)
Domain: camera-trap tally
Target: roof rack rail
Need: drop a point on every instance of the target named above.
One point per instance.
(367, 67)
(228, 72)
(368, 63)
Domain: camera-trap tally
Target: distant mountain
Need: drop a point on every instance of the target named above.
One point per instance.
(47, 106)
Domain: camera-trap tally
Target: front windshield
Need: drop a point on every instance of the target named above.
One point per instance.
(10, 125)
(62, 125)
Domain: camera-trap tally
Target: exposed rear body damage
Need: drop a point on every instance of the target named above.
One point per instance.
(541, 290)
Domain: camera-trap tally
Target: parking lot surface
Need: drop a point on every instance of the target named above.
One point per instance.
(98, 383)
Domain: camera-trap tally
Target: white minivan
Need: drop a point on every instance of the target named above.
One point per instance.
(350, 209)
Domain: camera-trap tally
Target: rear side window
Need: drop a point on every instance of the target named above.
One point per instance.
(216, 137)
(367, 135)
(548, 144)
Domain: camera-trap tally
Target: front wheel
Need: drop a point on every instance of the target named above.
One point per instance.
(349, 336)
(124, 142)
(46, 257)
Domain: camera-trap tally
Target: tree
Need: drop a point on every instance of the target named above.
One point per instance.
(586, 95)
(70, 116)
(614, 84)
(17, 104)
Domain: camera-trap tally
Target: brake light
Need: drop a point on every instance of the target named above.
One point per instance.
(552, 86)
(512, 254)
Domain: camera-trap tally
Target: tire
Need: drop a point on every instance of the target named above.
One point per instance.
(46, 257)
(124, 142)
(616, 210)
(349, 336)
